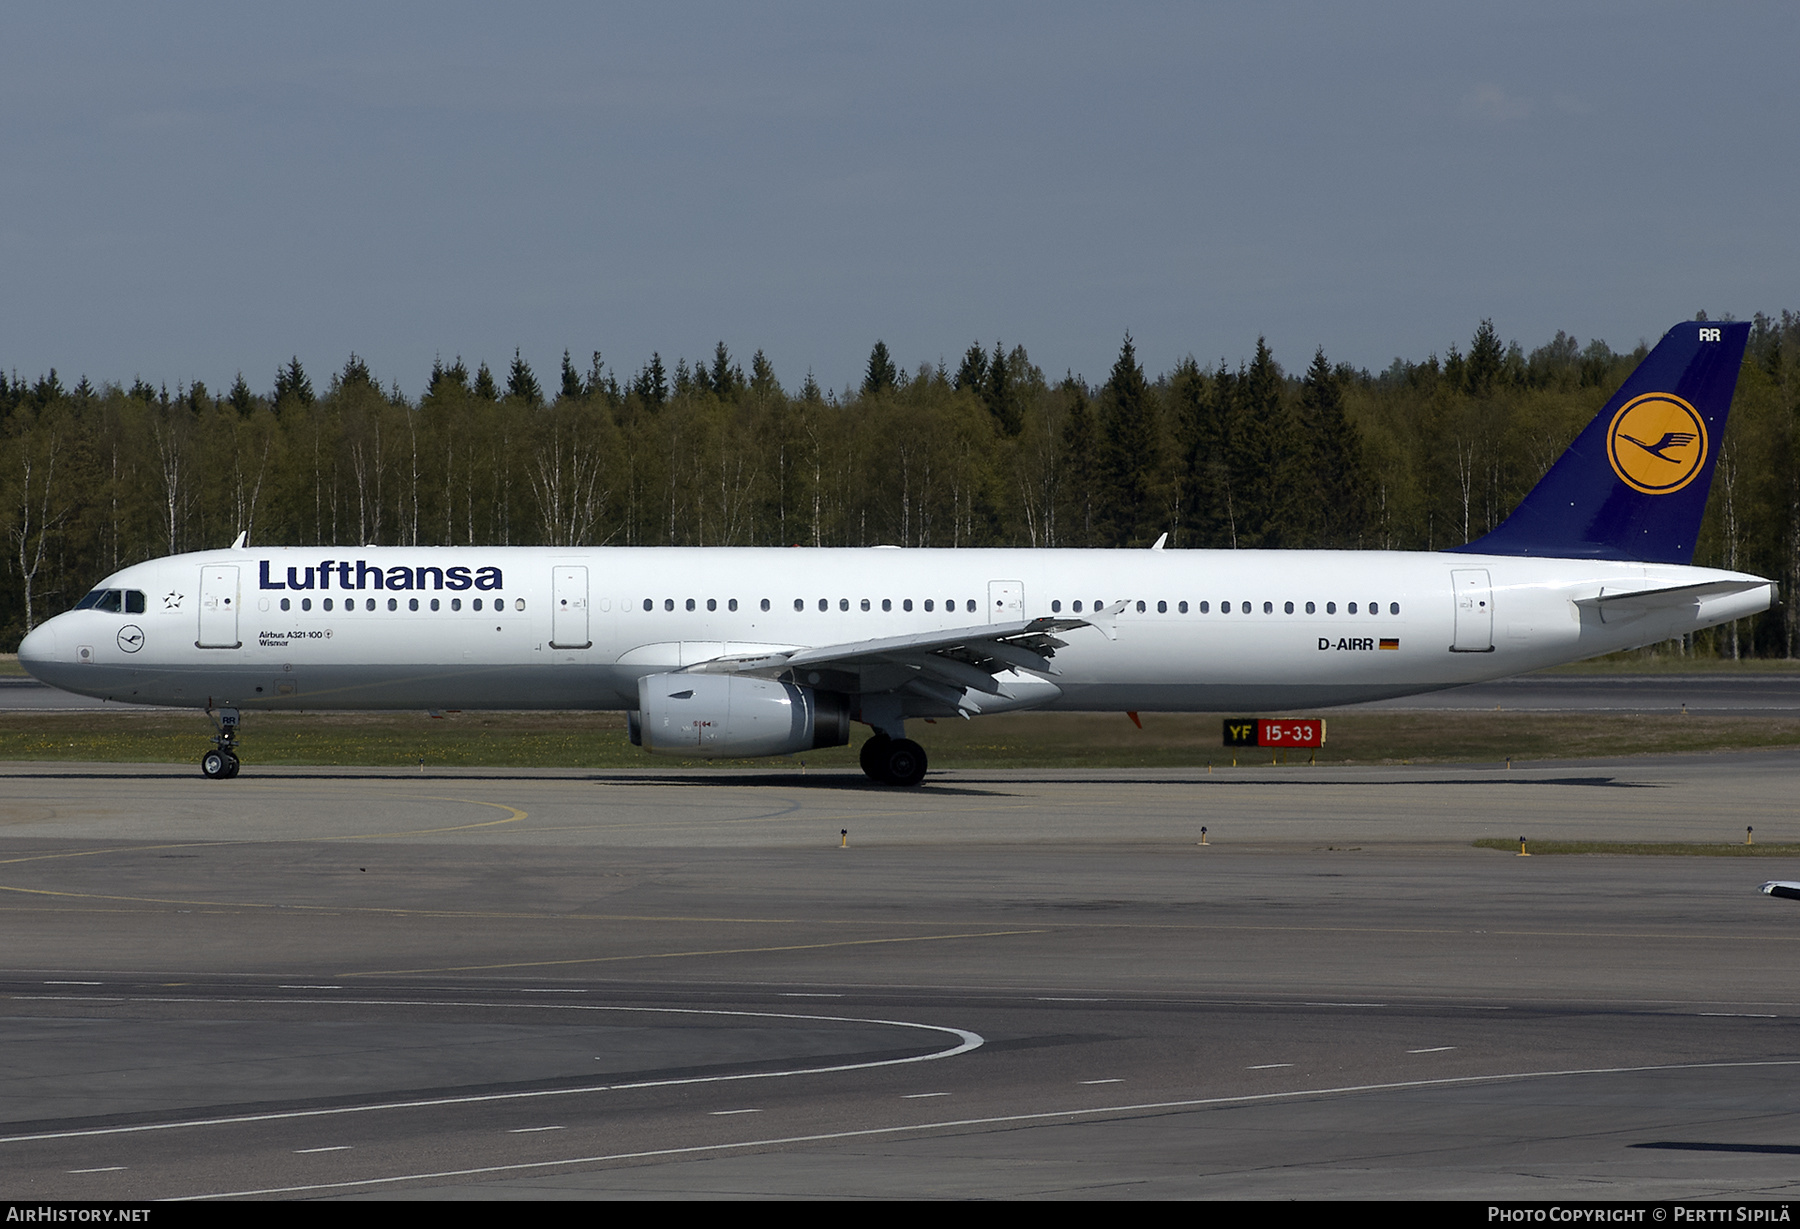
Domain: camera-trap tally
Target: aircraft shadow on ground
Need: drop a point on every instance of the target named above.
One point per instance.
(854, 782)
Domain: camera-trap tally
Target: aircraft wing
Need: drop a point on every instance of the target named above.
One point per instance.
(943, 666)
(1781, 887)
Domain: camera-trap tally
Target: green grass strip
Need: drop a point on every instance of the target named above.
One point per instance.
(1644, 849)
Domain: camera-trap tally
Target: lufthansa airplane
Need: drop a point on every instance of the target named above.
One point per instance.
(752, 652)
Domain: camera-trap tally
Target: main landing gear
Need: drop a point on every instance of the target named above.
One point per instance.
(893, 761)
(221, 763)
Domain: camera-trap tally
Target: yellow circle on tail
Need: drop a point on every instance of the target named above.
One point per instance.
(1657, 443)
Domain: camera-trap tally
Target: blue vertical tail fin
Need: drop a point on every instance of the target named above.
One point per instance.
(1633, 485)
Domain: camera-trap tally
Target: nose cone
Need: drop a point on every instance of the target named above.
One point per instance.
(37, 651)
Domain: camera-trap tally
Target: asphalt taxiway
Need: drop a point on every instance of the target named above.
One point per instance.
(317, 984)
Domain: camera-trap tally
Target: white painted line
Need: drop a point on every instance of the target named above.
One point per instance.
(1432, 1050)
(332, 1148)
(919, 1096)
(1046, 998)
(1114, 1080)
(966, 1042)
(309, 987)
(1268, 1066)
(1044, 1116)
(67, 998)
(530, 1130)
(800, 994)
(74, 983)
(729, 1113)
(1744, 1015)
(104, 1169)
(1343, 1004)
(551, 990)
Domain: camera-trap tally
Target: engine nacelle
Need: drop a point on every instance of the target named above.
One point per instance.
(729, 715)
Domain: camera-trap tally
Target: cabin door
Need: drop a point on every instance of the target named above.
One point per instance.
(1474, 611)
(1006, 601)
(218, 608)
(569, 609)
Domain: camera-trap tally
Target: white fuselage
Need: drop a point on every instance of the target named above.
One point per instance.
(545, 628)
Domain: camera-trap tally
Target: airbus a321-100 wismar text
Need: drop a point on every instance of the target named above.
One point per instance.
(751, 652)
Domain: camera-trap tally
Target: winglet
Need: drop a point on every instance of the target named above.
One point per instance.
(1633, 484)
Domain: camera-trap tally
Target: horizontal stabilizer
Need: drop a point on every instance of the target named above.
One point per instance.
(1619, 605)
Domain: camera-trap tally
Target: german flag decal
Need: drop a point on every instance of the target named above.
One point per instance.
(1390, 644)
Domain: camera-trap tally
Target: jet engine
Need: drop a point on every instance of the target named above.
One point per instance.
(729, 715)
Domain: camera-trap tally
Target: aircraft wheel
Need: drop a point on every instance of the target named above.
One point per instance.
(231, 766)
(903, 762)
(216, 765)
(871, 756)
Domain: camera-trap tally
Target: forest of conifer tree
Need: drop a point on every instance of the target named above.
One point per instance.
(1420, 456)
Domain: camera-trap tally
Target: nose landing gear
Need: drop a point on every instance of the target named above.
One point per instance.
(221, 763)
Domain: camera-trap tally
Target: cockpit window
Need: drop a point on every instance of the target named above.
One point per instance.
(114, 601)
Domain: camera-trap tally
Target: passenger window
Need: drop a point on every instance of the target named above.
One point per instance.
(1140, 608)
(865, 603)
(1287, 607)
(824, 603)
(1056, 607)
(1351, 608)
(1374, 608)
(1311, 609)
(412, 603)
(1162, 608)
(927, 605)
(518, 603)
(393, 603)
(843, 603)
(690, 603)
(1224, 607)
(732, 604)
(369, 605)
(328, 603)
(476, 604)
(1268, 607)
(1205, 607)
(1330, 607)
(971, 605)
(1076, 606)
(668, 603)
(284, 603)
(456, 603)
(1393, 608)
(306, 603)
(434, 603)
(906, 604)
(712, 603)
(887, 604)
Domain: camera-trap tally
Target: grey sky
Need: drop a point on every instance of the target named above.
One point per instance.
(187, 191)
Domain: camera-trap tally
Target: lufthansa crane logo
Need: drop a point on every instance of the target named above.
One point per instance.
(1656, 444)
(131, 637)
